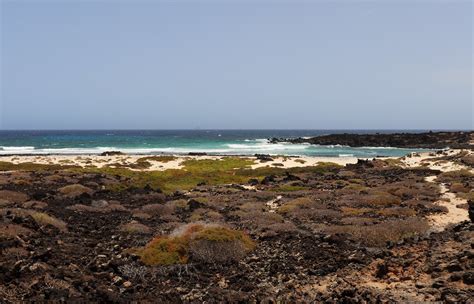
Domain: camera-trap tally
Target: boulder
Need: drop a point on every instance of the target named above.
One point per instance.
(111, 153)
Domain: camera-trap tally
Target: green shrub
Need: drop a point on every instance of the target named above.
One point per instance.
(165, 251)
(200, 242)
(160, 158)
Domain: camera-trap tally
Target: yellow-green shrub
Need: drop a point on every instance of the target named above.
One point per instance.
(201, 242)
(165, 251)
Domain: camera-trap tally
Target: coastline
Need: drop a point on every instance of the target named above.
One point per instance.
(175, 163)
(163, 162)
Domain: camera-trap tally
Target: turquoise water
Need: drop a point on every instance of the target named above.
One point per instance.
(238, 142)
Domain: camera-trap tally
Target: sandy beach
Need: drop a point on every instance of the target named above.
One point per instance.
(174, 163)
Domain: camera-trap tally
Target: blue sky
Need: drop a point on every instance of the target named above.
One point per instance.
(236, 64)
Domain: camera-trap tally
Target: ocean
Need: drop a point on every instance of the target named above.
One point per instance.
(217, 142)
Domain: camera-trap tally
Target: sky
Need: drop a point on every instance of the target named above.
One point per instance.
(236, 64)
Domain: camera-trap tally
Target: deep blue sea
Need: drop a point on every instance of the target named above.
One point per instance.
(240, 142)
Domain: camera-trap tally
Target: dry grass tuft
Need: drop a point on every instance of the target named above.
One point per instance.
(44, 219)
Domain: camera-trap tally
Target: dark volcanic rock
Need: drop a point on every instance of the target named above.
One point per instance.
(471, 210)
(111, 153)
(430, 140)
(263, 157)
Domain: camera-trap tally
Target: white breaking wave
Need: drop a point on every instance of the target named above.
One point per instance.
(244, 147)
(266, 147)
(238, 149)
(16, 148)
(98, 150)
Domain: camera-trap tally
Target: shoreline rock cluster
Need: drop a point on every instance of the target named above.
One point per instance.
(428, 140)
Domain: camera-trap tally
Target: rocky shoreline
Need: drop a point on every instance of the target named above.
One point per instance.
(428, 140)
(382, 230)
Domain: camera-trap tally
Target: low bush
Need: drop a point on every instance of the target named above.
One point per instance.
(301, 202)
(178, 204)
(75, 190)
(160, 158)
(455, 176)
(358, 220)
(13, 230)
(259, 221)
(279, 228)
(459, 187)
(157, 209)
(217, 244)
(356, 187)
(379, 234)
(105, 208)
(165, 251)
(13, 196)
(205, 215)
(394, 162)
(5, 203)
(135, 227)
(396, 212)
(34, 205)
(355, 211)
(28, 166)
(380, 198)
(199, 242)
(467, 196)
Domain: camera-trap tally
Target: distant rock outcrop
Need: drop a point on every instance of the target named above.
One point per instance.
(429, 140)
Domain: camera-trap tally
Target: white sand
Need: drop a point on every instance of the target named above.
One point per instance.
(304, 161)
(419, 159)
(127, 160)
(449, 200)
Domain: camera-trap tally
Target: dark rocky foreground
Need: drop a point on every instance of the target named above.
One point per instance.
(354, 234)
(430, 140)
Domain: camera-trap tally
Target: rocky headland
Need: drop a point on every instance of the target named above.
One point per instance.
(428, 140)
